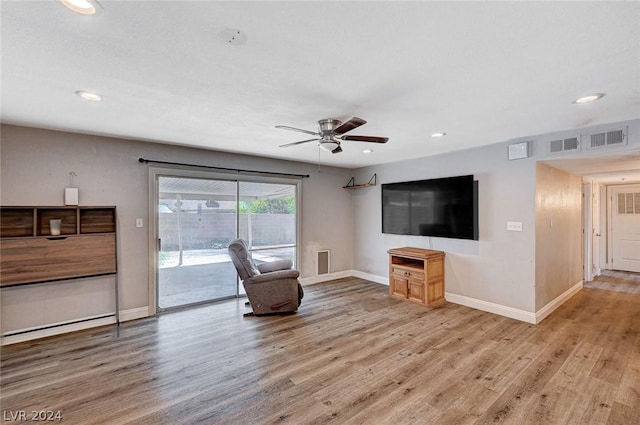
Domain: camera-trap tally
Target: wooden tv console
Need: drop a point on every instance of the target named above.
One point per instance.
(417, 275)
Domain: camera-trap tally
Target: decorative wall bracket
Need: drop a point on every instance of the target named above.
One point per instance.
(352, 185)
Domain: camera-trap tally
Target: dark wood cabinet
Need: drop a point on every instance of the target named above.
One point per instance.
(86, 245)
(29, 253)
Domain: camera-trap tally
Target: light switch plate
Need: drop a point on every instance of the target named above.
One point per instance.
(514, 226)
(71, 196)
(139, 222)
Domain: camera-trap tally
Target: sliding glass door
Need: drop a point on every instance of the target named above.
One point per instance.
(267, 220)
(196, 219)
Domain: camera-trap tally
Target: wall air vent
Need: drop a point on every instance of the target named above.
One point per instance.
(605, 139)
(629, 203)
(564, 145)
(323, 263)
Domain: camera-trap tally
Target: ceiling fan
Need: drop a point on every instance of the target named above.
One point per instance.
(331, 132)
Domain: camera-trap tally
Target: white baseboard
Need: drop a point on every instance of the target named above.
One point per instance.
(383, 280)
(325, 277)
(558, 301)
(142, 312)
(29, 334)
(499, 309)
(502, 310)
(134, 313)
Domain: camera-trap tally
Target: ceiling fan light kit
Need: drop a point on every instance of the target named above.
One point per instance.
(331, 132)
(329, 146)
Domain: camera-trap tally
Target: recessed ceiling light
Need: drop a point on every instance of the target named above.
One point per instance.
(590, 98)
(367, 151)
(86, 95)
(84, 7)
(439, 134)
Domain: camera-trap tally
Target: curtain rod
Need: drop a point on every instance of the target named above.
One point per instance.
(237, 170)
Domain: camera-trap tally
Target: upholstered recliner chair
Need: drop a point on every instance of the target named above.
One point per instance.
(271, 287)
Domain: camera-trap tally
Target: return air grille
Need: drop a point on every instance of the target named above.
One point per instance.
(607, 138)
(323, 263)
(629, 203)
(564, 145)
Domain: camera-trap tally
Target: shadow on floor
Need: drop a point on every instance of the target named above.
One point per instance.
(182, 285)
(617, 281)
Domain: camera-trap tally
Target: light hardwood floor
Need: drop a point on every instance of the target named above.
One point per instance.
(351, 355)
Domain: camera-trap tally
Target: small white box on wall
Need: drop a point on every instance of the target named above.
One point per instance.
(71, 196)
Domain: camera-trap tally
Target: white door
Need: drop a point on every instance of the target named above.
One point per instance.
(625, 227)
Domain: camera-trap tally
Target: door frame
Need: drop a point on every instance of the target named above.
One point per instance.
(186, 172)
(587, 226)
(595, 228)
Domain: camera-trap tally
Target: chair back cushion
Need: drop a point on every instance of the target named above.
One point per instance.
(242, 260)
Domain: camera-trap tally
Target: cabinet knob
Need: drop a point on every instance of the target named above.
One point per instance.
(407, 274)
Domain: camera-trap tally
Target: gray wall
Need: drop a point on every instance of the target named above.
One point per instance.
(35, 166)
(500, 267)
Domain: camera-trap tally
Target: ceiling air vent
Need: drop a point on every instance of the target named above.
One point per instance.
(564, 145)
(607, 138)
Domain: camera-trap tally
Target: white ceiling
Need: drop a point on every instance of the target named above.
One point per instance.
(483, 72)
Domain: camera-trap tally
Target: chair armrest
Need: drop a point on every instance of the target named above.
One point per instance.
(277, 275)
(275, 265)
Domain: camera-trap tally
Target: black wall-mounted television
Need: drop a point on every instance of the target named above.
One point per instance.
(446, 208)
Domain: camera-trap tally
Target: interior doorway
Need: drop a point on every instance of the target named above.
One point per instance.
(198, 214)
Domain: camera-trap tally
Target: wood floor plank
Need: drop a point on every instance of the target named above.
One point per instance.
(350, 355)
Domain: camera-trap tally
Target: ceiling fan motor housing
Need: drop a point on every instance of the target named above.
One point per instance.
(328, 125)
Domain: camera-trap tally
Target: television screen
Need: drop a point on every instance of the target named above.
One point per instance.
(445, 207)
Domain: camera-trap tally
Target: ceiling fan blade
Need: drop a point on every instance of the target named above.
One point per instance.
(299, 130)
(297, 143)
(354, 122)
(337, 150)
(372, 139)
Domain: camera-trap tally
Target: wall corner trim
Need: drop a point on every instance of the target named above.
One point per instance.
(558, 301)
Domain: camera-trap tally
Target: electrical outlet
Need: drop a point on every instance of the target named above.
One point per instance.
(139, 222)
(514, 226)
